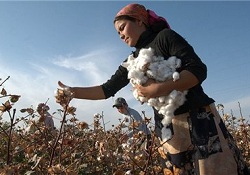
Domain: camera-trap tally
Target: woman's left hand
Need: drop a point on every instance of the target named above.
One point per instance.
(148, 90)
(152, 89)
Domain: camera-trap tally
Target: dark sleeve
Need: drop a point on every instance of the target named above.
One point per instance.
(172, 44)
(116, 82)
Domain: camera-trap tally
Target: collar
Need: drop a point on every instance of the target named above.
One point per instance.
(145, 38)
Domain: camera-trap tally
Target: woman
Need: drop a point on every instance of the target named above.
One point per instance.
(200, 142)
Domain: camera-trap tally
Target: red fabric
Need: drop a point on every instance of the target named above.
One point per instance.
(139, 12)
(136, 11)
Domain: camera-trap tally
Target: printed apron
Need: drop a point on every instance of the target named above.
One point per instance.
(200, 145)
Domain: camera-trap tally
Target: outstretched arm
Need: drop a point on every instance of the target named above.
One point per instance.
(90, 93)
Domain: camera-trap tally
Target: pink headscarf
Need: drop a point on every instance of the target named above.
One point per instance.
(153, 18)
(137, 11)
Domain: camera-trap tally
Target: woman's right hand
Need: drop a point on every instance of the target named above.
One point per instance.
(63, 86)
(67, 90)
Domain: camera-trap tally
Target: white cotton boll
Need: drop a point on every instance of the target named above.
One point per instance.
(176, 76)
(162, 99)
(162, 110)
(147, 65)
(147, 52)
(139, 98)
(129, 172)
(173, 94)
(132, 74)
(159, 77)
(169, 63)
(137, 77)
(129, 62)
(172, 101)
(150, 74)
(142, 99)
(174, 62)
(177, 63)
(116, 154)
(153, 66)
(169, 100)
(133, 82)
(135, 94)
(96, 144)
(126, 65)
(180, 99)
(163, 73)
(157, 107)
(152, 101)
(157, 58)
(170, 108)
(143, 79)
(167, 120)
(152, 70)
(130, 67)
(166, 134)
(130, 58)
(125, 146)
(143, 62)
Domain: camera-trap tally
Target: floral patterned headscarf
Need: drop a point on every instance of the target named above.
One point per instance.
(137, 11)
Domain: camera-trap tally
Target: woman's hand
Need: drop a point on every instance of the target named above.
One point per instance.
(66, 89)
(150, 89)
(63, 94)
(63, 86)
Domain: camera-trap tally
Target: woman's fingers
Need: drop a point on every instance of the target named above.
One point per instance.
(138, 89)
(65, 90)
(61, 84)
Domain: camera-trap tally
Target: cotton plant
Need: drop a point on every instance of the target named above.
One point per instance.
(148, 66)
(31, 128)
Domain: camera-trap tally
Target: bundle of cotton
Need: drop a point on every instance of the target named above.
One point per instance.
(146, 66)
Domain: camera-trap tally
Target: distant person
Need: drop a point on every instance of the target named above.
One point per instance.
(131, 118)
(45, 116)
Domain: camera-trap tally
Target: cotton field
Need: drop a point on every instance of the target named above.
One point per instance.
(77, 147)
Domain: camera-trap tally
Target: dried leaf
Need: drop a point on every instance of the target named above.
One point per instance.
(14, 98)
(6, 106)
(82, 125)
(3, 92)
(23, 110)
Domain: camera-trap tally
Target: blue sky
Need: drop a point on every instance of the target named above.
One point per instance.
(42, 42)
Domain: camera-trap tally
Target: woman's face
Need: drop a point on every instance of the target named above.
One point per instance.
(129, 31)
